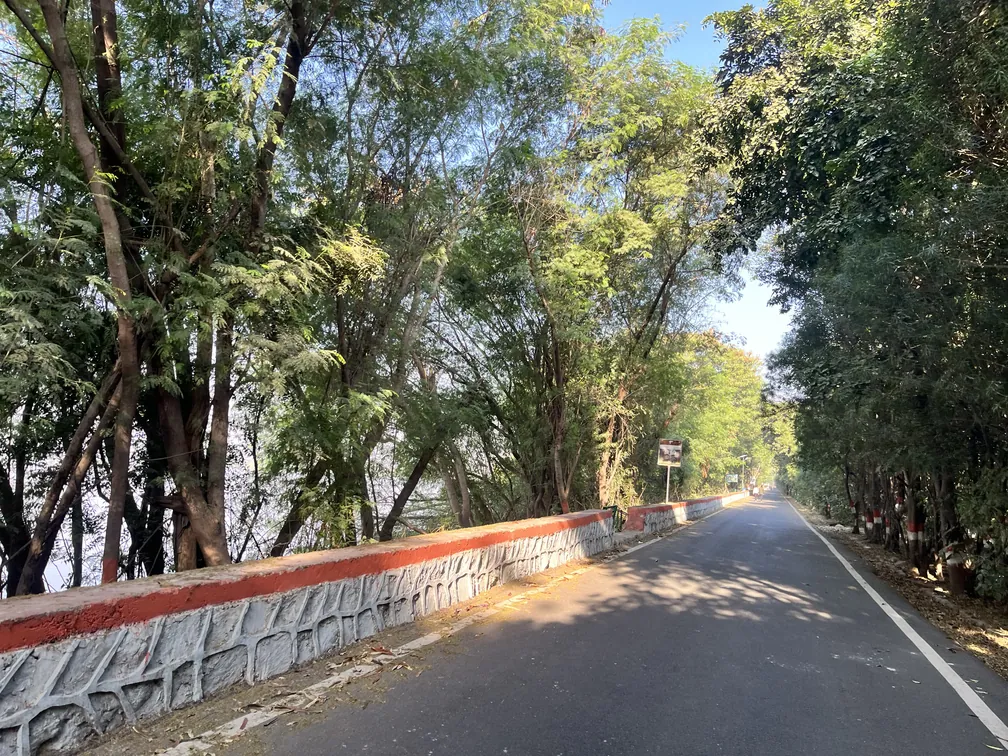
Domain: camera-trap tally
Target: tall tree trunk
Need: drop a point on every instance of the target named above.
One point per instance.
(451, 493)
(217, 448)
(14, 532)
(947, 515)
(206, 525)
(15, 536)
(850, 497)
(184, 543)
(916, 544)
(859, 498)
(610, 459)
(366, 510)
(73, 112)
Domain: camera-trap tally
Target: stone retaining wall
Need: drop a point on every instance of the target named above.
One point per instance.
(658, 517)
(80, 663)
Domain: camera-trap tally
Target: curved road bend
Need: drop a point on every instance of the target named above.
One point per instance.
(740, 635)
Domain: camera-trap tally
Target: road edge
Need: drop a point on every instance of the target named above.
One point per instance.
(976, 704)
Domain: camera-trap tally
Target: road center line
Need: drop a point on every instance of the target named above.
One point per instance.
(969, 696)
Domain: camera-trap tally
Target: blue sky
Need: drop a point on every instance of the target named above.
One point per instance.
(749, 320)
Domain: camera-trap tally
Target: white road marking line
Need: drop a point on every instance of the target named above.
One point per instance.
(976, 704)
(210, 739)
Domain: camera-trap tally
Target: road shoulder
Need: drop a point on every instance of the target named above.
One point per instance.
(970, 623)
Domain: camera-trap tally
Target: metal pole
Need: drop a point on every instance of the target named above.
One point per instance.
(668, 475)
(744, 486)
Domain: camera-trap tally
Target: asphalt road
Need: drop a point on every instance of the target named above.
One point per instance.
(740, 635)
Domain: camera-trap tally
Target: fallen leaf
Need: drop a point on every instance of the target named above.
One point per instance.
(381, 650)
(993, 748)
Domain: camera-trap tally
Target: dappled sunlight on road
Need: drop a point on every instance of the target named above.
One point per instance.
(736, 623)
(729, 592)
(677, 582)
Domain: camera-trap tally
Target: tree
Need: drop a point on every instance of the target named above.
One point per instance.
(860, 137)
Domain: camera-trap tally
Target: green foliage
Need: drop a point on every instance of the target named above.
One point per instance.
(823, 490)
(983, 508)
(859, 136)
(716, 408)
(474, 259)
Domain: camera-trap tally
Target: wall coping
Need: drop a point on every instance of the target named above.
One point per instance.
(676, 504)
(27, 621)
(635, 515)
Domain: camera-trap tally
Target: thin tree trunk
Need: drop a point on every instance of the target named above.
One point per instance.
(846, 481)
(44, 537)
(217, 449)
(385, 534)
(298, 46)
(366, 510)
(152, 549)
(73, 451)
(465, 506)
(77, 539)
(249, 521)
(298, 512)
(915, 524)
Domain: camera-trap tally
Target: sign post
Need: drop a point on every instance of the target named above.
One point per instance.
(669, 456)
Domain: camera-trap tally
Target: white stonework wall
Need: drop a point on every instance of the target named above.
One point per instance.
(659, 520)
(55, 697)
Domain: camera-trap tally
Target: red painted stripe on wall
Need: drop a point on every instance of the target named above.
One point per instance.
(34, 620)
(635, 515)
